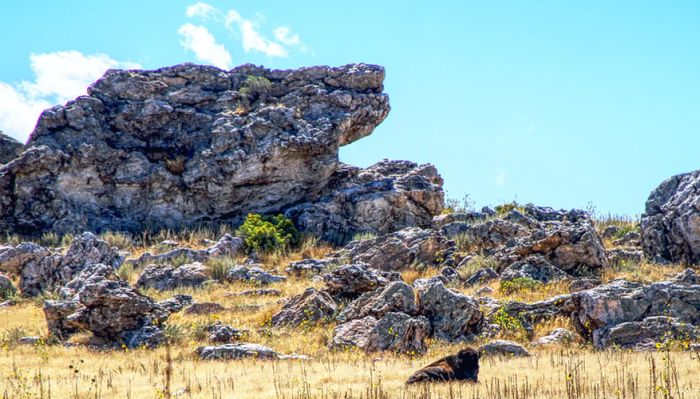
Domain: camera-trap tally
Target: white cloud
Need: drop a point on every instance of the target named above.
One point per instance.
(284, 36)
(202, 10)
(199, 40)
(251, 37)
(500, 179)
(58, 77)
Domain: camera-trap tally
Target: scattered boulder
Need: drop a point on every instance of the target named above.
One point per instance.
(463, 366)
(13, 258)
(203, 308)
(489, 235)
(260, 292)
(630, 239)
(252, 274)
(163, 277)
(533, 267)
(624, 255)
(89, 275)
(394, 297)
(383, 198)
(557, 336)
(241, 351)
(222, 333)
(353, 280)
(671, 221)
(51, 272)
(7, 289)
(394, 331)
(481, 276)
(187, 144)
(309, 307)
(647, 333)
(399, 250)
(30, 340)
(9, 148)
(453, 316)
(227, 246)
(687, 276)
(176, 303)
(57, 322)
(503, 348)
(145, 337)
(308, 267)
(528, 315)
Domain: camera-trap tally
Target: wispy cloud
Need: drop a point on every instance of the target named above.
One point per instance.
(203, 44)
(58, 77)
(249, 31)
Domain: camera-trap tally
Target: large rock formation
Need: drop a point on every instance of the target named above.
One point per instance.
(671, 221)
(9, 148)
(190, 144)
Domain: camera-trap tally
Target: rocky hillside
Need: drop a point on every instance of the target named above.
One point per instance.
(190, 145)
(9, 148)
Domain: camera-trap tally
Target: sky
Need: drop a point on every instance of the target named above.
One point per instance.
(564, 104)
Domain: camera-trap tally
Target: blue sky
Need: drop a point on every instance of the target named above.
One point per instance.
(556, 103)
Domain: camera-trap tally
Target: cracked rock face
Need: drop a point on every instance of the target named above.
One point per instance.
(671, 221)
(9, 148)
(189, 144)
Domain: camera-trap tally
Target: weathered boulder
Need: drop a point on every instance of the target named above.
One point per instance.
(609, 232)
(397, 332)
(583, 283)
(527, 315)
(671, 221)
(399, 250)
(308, 267)
(481, 276)
(89, 275)
(163, 277)
(574, 248)
(253, 274)
(57, 322)
(48, 273)
(503, 348)
(557, 336)
(176, 303)
(309, 307)
(383, 198)
(394, 297)
(13, 258)
(533, 267)
(601, 308)
(9, 148)
(687, 276)
(650, 330)
(187, 144)
(353, 280)
(7, 289)
(453, 316)
(625, 255)
(630, 239)
(223, 333)
(227, 246)
(203, 308)
(488, 235)
(241, 351)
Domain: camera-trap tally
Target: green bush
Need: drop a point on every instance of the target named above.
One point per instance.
(269, 233)
(255, 85)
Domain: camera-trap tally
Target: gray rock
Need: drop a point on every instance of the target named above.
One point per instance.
(601, 308)
(533, 267)
(610, 231)
(176, 303)
(227, 246)
(574, 248)
(651, 330)
(583, 283)
(453, 316)
(187, 144)
(503, 348)
(89, 275)
(492, 234)
(32, 340)
(13, 258)
(383, 198)
(630, 239)
(624, 255)
(687, 276)
(456, 217)
(49, 273)
(396, 332)
(557, 336)
(308, 267)
(9, 148)
(224, 334)
(202, 308)
(310, 307)
(481, 276)
(241, 351)
(399, 250)
(547, 214)
(530, 314)
(163, 277)
(671, 222)
(57, 322)
(145, 337)
(353, 280)
(253, 274)
(394, 297)
(7, 289)
(260, 292)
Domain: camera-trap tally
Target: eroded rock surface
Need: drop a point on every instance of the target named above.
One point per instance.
(163, 277)
(353, 280)
(309, 307)
(394, 331)
(9, 148)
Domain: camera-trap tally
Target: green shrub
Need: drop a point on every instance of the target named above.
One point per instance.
(255, 85)
(504, 208)
(519, 284)
(269, 233)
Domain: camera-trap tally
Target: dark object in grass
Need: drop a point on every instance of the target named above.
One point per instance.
(464, 366)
